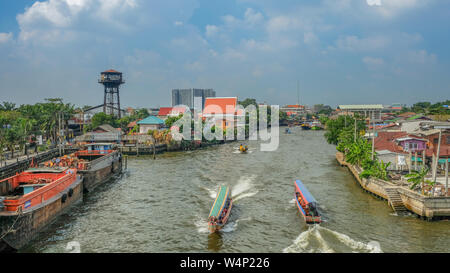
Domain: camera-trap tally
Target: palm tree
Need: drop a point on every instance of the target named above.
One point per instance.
(417, 177)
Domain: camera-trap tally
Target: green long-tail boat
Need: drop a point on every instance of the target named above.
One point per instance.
(221, 209)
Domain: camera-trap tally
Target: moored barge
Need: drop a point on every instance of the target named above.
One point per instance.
(96, 162)
(31, 200)
(221, 209)
(307, 204)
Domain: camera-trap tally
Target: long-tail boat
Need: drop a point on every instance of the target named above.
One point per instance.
(243, 149)
(307, 204)
(96, 162)
(306, 126)
(221, 209)
(31, 200)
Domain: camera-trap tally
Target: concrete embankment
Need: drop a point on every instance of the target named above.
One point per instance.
(401, 197)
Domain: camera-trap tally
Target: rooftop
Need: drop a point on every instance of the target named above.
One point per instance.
(220, 106)
(151, 120)
(361, 107)
(112, 71)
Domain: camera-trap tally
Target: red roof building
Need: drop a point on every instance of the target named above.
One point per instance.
(386, 141)
(164, 111)
(222, 110)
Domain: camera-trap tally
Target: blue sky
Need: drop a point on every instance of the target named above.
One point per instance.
(341, 51)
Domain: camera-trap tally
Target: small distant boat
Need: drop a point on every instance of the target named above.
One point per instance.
(316, 126)
(220, 210)
(287, 131)
(307, 204)
(306, 126)
(243, 149)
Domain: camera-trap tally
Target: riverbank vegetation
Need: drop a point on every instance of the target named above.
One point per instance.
(356, 149)
(20, 125)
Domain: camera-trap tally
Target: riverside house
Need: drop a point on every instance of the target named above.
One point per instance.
(150, 123)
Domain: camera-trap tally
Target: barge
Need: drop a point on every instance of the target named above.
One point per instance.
(307, 204)
(96, 162)
(221, 209)
(31, 200)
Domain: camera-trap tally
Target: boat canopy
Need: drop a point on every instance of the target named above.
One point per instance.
(220, 202)
(308, 196)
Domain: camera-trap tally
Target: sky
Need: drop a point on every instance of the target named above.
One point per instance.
(339, 51)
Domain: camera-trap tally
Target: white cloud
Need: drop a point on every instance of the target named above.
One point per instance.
(421, 57)
(310, 38)
(5, 37)
(252, 17)
(373, 63)
(211, 30)
(354, 43)
(55, 20)
(391, 8)
(178, 23)
(374, 2)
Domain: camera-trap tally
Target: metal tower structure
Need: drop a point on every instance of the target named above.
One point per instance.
(112, 80)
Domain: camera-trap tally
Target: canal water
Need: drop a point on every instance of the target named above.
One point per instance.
(162, 205)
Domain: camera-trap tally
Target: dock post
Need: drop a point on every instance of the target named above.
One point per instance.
(410, 162)
(154, 150)
(137, 149)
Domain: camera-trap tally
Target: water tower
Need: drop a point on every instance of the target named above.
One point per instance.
(112, 80)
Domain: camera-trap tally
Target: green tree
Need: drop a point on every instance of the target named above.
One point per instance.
(417, 177)
(248, 102)
(102, 118)
(171, 120)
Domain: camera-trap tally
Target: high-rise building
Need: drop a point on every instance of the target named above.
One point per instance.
(187, 96)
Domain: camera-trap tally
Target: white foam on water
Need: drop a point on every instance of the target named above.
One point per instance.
(202, 225)
(211, 193)
(232, 226)
(244, 188)
(313, 241)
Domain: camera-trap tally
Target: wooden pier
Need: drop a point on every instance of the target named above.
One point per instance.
(401, 198)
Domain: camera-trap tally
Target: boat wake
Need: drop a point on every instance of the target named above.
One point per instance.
(232, 226)
(244, 188)
(318, 239)
(211, 193)
(201, 225)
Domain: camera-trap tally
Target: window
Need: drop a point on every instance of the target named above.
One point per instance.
(435, 140)
(448, 140)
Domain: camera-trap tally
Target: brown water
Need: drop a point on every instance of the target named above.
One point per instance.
(162, 206)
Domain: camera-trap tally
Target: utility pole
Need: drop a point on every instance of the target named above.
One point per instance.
(59, 133)
(436, 164)
(373, 136)
(446, 177)
(355, 128)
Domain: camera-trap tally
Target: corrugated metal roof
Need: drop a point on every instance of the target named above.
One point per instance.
(151, 120)
(361, 107)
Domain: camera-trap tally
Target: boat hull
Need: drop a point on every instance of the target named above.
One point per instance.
(308, 219)
(216, 227)
(18, 229)
(101, 170)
